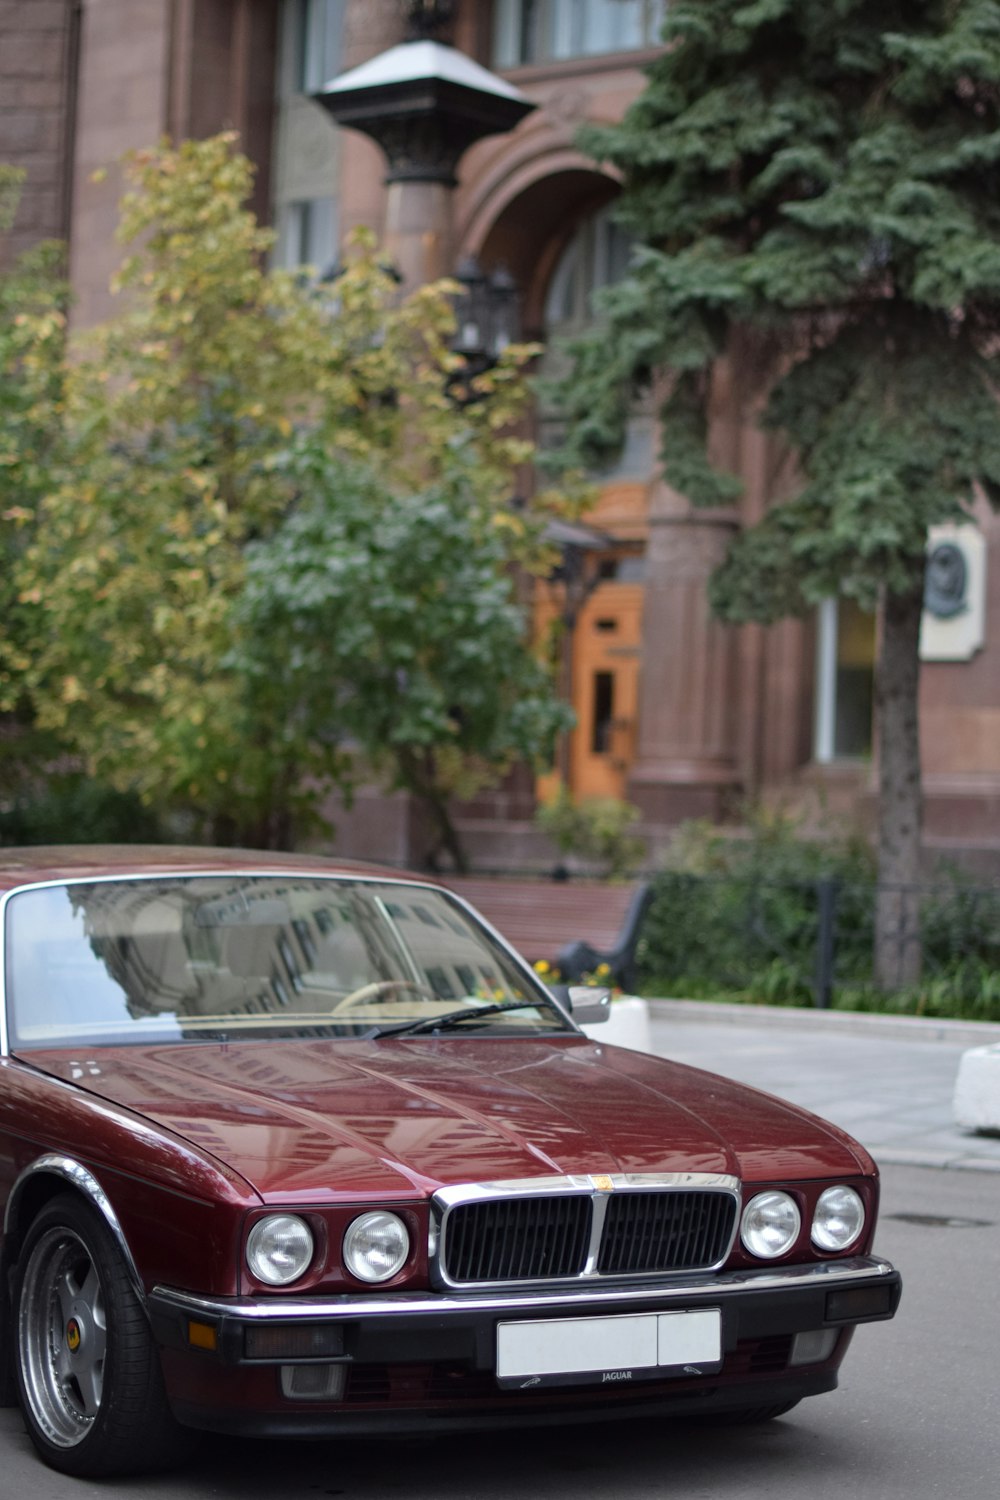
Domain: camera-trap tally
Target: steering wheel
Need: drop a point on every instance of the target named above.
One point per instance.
(380, 990)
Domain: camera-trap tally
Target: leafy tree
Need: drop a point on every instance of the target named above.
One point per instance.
(32, 342)
(388, 621)
(217, 413)
(815, 186)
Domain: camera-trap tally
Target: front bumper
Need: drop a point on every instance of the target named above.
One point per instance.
(222, 1356)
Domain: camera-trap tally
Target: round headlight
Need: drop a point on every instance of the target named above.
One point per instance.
(279, 1249)
(771, 1224)
(838, 1220)
(376, 1246)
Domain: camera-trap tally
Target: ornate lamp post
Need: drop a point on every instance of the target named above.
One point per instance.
(425, 104)
(488, 314)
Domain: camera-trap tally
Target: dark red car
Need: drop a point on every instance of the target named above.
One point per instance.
(293, 1148)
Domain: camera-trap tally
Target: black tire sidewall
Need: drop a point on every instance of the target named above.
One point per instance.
(126, 1431)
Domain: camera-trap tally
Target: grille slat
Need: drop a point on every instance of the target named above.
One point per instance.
(545, 1236)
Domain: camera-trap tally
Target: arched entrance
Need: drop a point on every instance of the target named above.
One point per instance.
(561, 242)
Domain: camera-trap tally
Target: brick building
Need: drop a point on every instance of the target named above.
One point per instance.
(675, 712)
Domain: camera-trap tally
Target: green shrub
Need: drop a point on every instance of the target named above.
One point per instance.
(960, 922)
(73, 809)
(736, 917)
(966, 992)
(739, 911)
(598, 830)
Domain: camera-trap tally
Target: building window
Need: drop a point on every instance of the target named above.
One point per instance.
(845, 681)
(535, 31)
(313, 31)
(597, 256)
(307, 234)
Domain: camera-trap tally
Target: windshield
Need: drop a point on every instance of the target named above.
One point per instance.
(209, 958)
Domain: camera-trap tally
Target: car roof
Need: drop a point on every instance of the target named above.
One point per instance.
(52, 862)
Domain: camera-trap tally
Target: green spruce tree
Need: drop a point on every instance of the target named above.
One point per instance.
(821, 178)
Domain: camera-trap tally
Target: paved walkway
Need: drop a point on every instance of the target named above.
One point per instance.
(889, 1081)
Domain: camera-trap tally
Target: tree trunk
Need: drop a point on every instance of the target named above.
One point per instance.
(897, 914)
(447, 833)
(418, 778)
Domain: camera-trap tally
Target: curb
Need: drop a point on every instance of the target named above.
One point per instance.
(846, 1022)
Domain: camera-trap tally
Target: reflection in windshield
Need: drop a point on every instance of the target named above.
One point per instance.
(214, 957)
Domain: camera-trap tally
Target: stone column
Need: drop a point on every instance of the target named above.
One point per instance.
(418, 228)
(686, 763)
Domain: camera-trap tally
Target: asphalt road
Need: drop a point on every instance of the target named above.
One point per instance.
(917, 1416)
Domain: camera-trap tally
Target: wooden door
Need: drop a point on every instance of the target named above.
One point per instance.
(605, 674)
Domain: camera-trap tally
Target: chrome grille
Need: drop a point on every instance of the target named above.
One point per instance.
(489, 1237)
(665, 1232)
(519, 1239)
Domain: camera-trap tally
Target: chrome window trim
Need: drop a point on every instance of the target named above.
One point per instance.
(81, 1178)
(546, 996)
(600, 1188)
(4, 899)
(823, 1275)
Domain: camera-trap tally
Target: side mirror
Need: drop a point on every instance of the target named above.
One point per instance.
(588, 1004)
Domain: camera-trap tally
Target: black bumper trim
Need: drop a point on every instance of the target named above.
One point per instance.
(587, 1406)
(408, 1327)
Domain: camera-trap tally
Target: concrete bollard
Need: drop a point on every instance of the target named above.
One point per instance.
(977, 1089)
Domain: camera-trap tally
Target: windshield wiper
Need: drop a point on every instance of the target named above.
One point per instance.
(450, 1019)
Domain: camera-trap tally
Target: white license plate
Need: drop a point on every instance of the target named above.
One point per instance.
(609, 1351)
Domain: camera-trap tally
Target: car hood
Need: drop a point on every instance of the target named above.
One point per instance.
(310, 1121)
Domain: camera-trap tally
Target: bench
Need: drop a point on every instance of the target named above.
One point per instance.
(573, 925)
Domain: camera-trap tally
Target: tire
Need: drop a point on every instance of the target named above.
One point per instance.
(87, 1370)
(8, 1389)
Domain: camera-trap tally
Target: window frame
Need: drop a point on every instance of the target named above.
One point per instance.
(530, 33)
